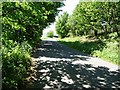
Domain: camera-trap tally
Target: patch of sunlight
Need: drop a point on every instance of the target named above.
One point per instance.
(96, 62)
(91, 69)
(44, 74)
(113, 87)
(48, 78)
(42, 49)
(103, 83)
(53, 59)
(67, 80)
(80, 56)
(46, 87)
(78, 76)
(79, 62)
(59, 71)
(86, 86)
(114, 83)
(44, 70)
(99, 78)
(84, 39)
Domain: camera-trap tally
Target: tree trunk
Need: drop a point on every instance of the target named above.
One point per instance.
(95, 33)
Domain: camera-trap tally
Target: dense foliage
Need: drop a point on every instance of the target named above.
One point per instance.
(25, 21)
(94, 18)
(61, 25)
(98, 20)
(22, 27)
(16, 63)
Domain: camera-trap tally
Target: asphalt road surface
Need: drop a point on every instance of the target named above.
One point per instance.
(57, 66)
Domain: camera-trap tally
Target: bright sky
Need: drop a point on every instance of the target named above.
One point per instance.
(69, 7)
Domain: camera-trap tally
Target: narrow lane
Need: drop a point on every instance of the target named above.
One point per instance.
(57, 66)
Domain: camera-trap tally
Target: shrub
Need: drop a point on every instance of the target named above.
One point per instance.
(50, 34)
(16, 63)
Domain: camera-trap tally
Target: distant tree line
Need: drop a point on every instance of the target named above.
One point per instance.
(90, 18)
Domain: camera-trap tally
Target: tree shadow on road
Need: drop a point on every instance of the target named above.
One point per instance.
(53, 50)
(86, 47)
(64, 74)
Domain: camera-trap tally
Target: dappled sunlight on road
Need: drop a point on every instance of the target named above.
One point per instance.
(57, 66)
(64, 74)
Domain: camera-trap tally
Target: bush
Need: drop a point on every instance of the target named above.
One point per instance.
(16, 63)
(21, 31)
(50, 34)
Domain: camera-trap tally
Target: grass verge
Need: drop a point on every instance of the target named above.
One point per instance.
(106, 49)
